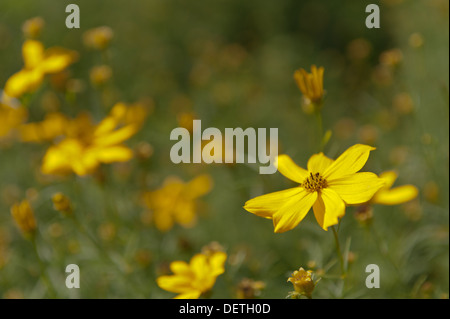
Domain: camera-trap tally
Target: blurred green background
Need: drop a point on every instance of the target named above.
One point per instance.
(231, 64)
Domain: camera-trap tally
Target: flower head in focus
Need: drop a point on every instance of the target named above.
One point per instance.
(85, 145)
(191, 280)
(176, 201)
(24, 217)
(327, 186)
(311, 85)
(38, 62)
(393, 196)
(303, 282)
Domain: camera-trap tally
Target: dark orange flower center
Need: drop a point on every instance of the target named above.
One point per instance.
(314, 183)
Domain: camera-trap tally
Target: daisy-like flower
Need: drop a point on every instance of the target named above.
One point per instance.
(327, 186)
(311, 84)
(87, 145)
(176, 201)
(38, 62)
(191, 280)
(393, 196)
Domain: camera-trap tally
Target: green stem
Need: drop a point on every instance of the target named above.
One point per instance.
(339, 252)
(44, 276)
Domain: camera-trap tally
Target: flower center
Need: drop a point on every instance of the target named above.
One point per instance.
(314, 183)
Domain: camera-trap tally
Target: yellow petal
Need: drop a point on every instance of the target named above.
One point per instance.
(356, 188)
(289, 169)
(389, 178)
(199, 186)
(33, 53)
(293, 212)
(57, 59)
(266, 205)
(175, 283)
(328, 208)
(318, 163)
(351, 161)
(180, 268)
(116, 137)
(395, 196)
(163, 220)
(113, 154)
(199, 265)
(23, 82)
(193, 294)
(217, 261)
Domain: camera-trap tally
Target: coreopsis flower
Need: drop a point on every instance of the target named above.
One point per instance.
(11, 117)
(303, 282)
(311, 84)
(87, 145)
(192, 280)
(176, 201)
(393, 196)
(24, 217)
(327, 186)
(38, 62)
(98, 38)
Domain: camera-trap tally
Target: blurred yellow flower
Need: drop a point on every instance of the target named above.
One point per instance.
(327, 186)
(32, 28)
(311, 84)
(303, 282)
(249, 288)
(61, 203)
(38, 63)
(53, 125)
(176, 201)
(393, 196)
(100, 74)
(10, 118)
(86, 145)
(193, 279)
(24, 217)
(98, 38)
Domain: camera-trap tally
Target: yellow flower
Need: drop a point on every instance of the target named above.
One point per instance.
(393, 196)
(24, 217)
(303, 282)
(98, 38)
(38, 63)
(327, 186)
(193, 279)
(311, 84)
(61, 203)
(10, 118)
(32, 28)
(100, 74)
(176, 201)
(86, 145)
